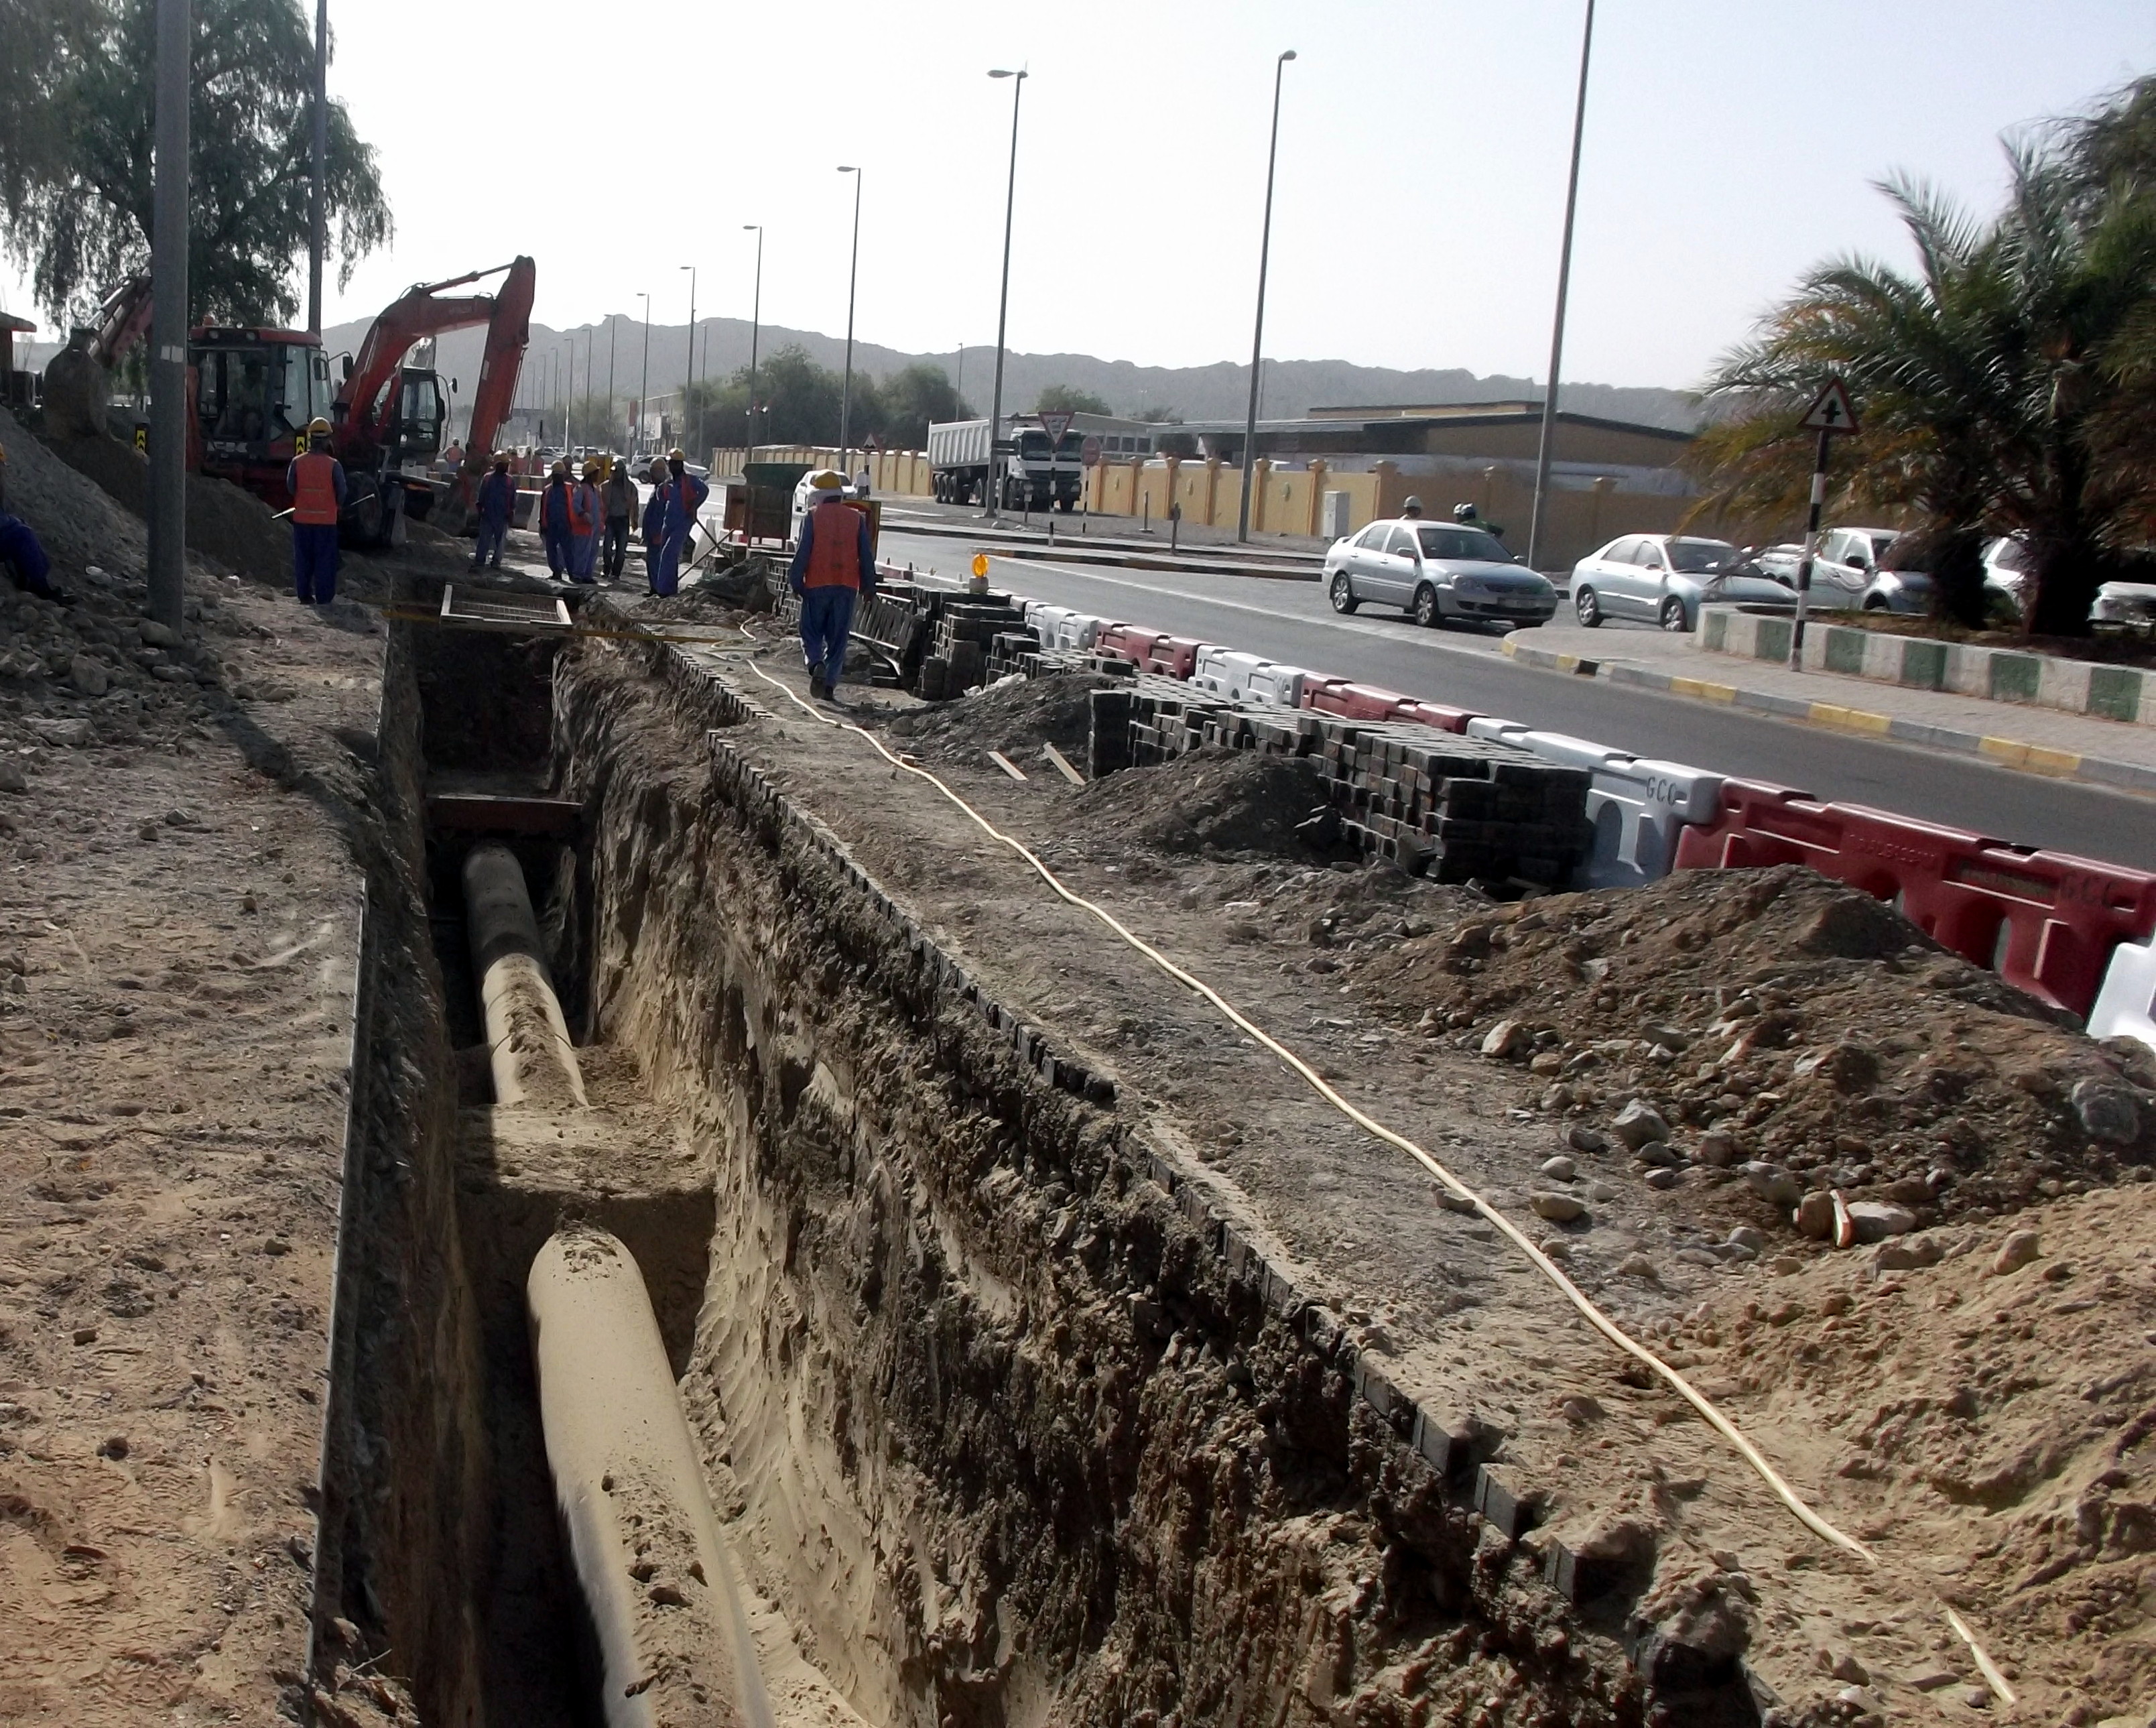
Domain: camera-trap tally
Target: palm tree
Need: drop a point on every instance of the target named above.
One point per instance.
(1999, 385)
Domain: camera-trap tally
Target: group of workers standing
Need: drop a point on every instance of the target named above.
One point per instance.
(584, 520)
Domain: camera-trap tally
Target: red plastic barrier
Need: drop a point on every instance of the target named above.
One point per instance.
(1437, 714)
(1126, 641)
(2045, 922)
(1175, 656)
(1355, 701)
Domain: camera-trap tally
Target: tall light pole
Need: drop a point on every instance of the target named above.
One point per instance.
(1258, 333)
(1546, 449)
(644, 389)
(168, 317)
(959, 390)
(569, 402)
(689, 366)
(319, 166)
(852, 278)
(1003, 300)
(755, 327)
(613, 329)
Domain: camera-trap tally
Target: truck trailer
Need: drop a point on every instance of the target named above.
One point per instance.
(1029, 469)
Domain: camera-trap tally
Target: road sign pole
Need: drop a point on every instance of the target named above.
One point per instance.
(1811, 550)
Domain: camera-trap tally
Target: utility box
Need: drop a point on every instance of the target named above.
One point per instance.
(1333, 516)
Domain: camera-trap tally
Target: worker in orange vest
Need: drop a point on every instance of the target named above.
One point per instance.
(584, 509)
(315, 480)
(834, 566)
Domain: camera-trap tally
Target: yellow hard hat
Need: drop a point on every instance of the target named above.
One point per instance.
(318, 427)
(829, 480)
(677, 455)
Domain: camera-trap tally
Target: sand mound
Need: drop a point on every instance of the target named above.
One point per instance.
(78, 524)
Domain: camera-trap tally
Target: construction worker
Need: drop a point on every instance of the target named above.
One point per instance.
(554, 518)
(316, 482)
(584, 525)
(684, 495)
(618, 499)
(1412, 509)
(22, 559)
(834, 566)
(497, 508)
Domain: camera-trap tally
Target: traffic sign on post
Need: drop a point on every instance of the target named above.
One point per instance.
(1055, 422)
(1090, 451)
(1831, 415)
(1831, 410)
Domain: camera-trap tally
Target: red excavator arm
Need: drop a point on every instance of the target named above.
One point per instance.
(365, 402)
(122, 320)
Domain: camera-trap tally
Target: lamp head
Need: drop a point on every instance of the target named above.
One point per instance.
(847, 168)
(1005, 72)
(1287, 54)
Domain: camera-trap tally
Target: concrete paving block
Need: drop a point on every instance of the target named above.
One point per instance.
(1281, 1294)
(1445, 1442)
(1504, 1496)
(1375, 1388)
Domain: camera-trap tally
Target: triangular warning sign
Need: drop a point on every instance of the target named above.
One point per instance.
(1055, 422)
(1830, 410)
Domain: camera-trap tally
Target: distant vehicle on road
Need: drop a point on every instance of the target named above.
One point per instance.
(1847, 574)
(1665, 578)
(1436, 572)
(1027, 468)
(2130, 605)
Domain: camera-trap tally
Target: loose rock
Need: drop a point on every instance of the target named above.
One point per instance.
(1557, 1208)
(1638, 1123)
(1505, 1040)
(2020, 1249)
(2106, 1110)
(1560, 1169)
(1815, 1215)
(1590, 1140)
(1876, 1220)
(1774, 1185)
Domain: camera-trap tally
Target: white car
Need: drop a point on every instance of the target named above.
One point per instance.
(1665, 578)
(1436, 571)
(1846, 574)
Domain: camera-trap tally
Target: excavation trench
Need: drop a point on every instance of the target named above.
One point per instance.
(998, 1425)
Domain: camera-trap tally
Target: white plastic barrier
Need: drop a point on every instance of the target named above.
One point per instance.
(1636, 804)
(2126, 1002)
(1280, 685)
(1079, 629)
(1044, 621)
(1208, 672)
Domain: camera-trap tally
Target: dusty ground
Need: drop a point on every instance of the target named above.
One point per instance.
(1984, 1427)
(178, 927)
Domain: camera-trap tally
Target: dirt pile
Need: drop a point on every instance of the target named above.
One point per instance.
(78, 523)
(1213, 799)
(1789, 1035)
(1016, 718)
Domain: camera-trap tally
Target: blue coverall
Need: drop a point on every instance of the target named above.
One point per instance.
(554, 526)
(497, 508)
(678, 500)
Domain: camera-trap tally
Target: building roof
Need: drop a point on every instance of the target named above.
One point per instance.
(20, 326)
(1461, 414)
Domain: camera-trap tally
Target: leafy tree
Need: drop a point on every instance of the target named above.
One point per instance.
(2005, 387)
(1157, 416)
(1068, 398)
(76, 151)
(913, 398)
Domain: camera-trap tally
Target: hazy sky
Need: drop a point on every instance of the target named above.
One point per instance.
(1729, 144)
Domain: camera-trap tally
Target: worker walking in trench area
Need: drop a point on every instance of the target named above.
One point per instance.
(679, 495)
(316, 480)
(834, 566)
(618, 496)
(554, 519)
(584, 526)
(497, 506)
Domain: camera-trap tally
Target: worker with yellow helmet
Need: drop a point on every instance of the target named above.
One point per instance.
(316, 480)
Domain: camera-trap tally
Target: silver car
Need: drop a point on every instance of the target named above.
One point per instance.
(1664, 578)
(1436, 572)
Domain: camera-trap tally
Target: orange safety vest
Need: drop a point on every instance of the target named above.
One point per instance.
(314, 489)
(834, 546)
(582, 516)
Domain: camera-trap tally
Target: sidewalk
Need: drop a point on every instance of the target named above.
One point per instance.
(2040, 741)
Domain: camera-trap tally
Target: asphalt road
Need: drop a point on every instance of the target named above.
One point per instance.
(1289, 621)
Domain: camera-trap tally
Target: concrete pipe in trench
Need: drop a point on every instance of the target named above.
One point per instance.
(528, 1043)
(674, 1643)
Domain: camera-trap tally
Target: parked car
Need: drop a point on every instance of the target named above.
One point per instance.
(1846, 574)
(1665, 578)
(2129, 605)
(1436, 571)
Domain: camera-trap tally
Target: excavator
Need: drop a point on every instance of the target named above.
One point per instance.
(253, 393)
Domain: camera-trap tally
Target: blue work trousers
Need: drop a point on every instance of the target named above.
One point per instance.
(314, 562)
(584, 555)
(492, 537)
(557, 549)
(827, 618)
(664, 562)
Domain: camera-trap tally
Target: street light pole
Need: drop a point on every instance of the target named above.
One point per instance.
(689, 367)
(644, 389)
(319, 167)
(1258, 333)
(1003, 299)
(755, 327)
(168, 317)
(852, 277)
(613, 329)
(1546, 449)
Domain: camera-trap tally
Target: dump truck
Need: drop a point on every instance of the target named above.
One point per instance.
(1029, 469)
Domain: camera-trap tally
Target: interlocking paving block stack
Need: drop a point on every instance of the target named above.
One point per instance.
(1459, 808)
(965, 626)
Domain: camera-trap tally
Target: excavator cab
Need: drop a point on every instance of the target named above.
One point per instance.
(254, 391)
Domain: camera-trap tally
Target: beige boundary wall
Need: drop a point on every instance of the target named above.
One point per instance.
(1290, 502)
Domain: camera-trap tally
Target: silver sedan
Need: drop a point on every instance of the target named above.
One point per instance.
(1436, 572)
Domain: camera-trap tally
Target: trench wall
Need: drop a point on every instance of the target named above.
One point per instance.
(1009, 1423)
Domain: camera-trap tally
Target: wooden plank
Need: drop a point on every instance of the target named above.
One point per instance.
(1063, 765)
(1006, 765)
